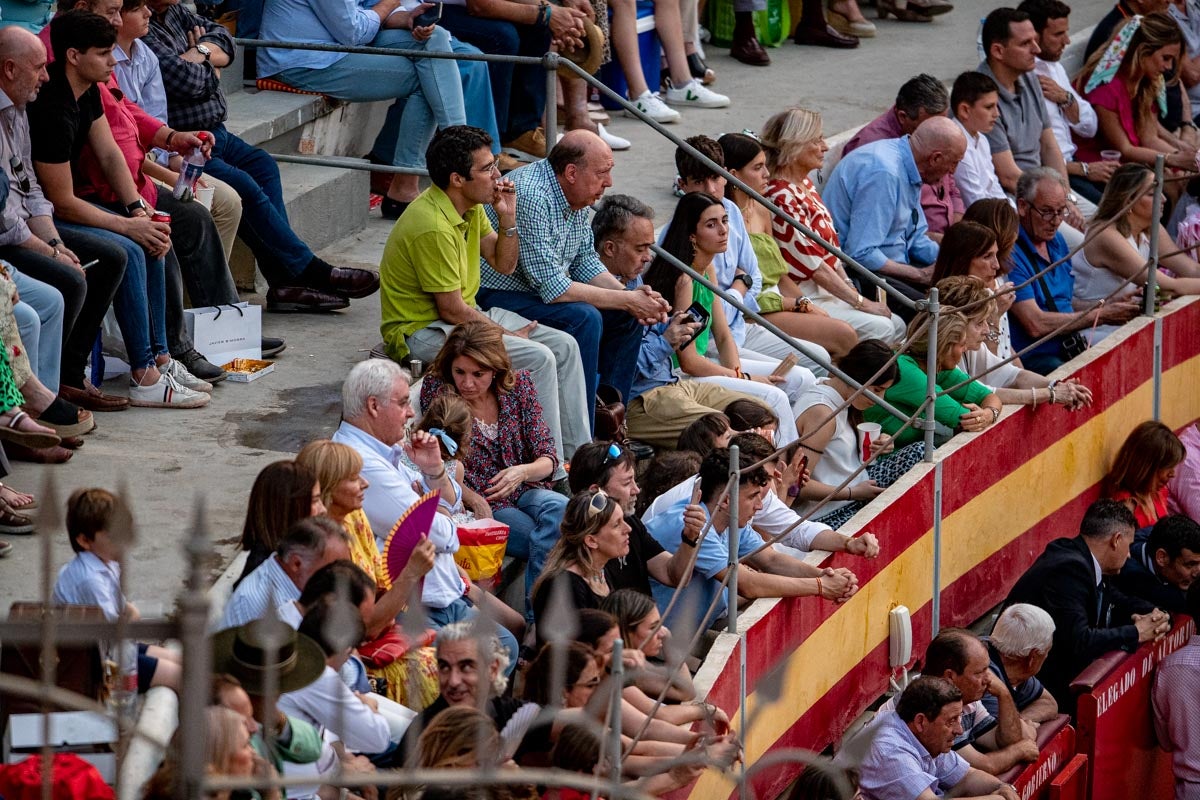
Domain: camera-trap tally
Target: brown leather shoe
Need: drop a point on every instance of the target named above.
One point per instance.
(824, 38)
(288, 299)
(44, 455)
(746, 48)
(353, 283)
(92, 398)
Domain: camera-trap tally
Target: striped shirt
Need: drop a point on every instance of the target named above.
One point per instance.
(556, 241)
(88, 580)
(1176, 688)
(267, 586)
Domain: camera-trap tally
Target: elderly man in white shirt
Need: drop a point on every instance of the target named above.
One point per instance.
(1065, 108)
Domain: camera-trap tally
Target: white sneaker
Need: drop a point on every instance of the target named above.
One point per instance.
(653, 107)
(615, 142)
(184, 378)
(166, 393)
(694, 93)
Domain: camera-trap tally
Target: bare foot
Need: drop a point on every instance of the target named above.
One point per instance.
(24, 422)
(18, 500)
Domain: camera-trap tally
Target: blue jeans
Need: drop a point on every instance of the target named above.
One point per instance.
(518, 90)
(532, 531)
(613, 365)
(265, 229)
(462, 610)
(140, 303)
(479, 109)
(39, 318)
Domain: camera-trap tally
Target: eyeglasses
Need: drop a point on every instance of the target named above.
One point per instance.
(592, 684)
(492, 166)
(1051, 214)
(598, 503)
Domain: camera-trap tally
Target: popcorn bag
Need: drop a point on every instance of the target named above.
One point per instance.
(481, 545)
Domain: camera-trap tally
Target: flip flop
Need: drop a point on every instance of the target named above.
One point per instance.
(13, 523)
(19, 507)
(33, 439)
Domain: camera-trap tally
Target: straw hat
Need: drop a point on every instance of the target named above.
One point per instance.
(587, 56)
(242, 653)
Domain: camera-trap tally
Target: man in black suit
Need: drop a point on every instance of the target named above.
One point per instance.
(1091, 617)
(1163, 563)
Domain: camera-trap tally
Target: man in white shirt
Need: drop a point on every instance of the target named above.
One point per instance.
(1065, 109)
(975, 105)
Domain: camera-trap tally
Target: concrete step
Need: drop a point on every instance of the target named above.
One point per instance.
(324, 205)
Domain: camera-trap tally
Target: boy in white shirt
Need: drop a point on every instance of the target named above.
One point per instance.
(93, 578)
(975, 104)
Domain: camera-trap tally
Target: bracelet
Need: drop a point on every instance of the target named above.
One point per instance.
(995, 414)
(437, 477)
(859, 303)
(849, 492)
(1053, 396)
(818, 587)
(1033, 392)
(1084, 164)
(170, 136)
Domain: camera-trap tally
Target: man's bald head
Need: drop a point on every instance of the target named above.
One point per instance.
(583, 163)
(22, 65)
(938, 144)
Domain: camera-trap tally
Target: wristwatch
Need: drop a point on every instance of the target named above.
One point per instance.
(689, 542)
(744, 278)
(135, 206)
(509, 232)
(205, 51)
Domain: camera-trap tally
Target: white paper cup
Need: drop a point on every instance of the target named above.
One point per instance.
(204, 196)
(1110, 155)
(868, 434)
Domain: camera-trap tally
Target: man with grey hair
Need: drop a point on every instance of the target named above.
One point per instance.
(559, 280)
(919, 98)
(1017, 649)
(309, 545)
(874, 197)
(1044, 305)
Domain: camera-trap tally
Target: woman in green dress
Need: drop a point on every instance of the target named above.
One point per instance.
(781, 301)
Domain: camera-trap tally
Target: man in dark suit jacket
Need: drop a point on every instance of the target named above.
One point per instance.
(1163, 563)
(1090, 616)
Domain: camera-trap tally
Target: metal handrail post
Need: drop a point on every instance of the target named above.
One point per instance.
(197, 662)
(617, 670)
(551, 61)
(931, 365)
(1151, 291)
(735, 478)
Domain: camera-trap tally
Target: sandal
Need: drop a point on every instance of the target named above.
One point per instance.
(19, 501)
(38, 438)
(13, 523)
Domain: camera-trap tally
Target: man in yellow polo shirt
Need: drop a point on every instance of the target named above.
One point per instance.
(429, 276)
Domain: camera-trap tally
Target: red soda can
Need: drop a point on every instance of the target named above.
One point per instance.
(160, 216)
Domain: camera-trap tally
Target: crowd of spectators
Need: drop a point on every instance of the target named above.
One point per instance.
(538, 297)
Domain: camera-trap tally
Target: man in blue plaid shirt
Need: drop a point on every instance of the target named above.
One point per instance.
(559, 280)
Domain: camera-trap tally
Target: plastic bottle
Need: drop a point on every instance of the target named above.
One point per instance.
(123, 694)
(192, 169)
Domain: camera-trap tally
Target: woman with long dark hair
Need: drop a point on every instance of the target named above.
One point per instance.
(698, 231)
(284, 493)
(1144, 465)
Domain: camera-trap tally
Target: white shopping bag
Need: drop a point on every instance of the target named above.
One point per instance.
(223, 333)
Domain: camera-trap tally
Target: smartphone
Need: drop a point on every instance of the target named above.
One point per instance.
(697, 313)
(785, 366)
(428, 17)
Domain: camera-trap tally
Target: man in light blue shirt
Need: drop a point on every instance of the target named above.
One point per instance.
(762, 572)
(908, 751)
(874, 196)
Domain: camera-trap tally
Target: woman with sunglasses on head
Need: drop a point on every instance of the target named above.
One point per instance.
(593, 532)
(512, 454)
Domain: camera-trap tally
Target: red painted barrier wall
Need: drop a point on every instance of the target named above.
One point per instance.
(1071, 783)
(1033, 783)
(1005, 495)
(1116, 724)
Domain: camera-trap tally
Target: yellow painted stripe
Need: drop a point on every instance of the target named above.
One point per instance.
(970, 535)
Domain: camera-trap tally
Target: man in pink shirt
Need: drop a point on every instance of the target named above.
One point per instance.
(919, 99)
(1175, 722)
(1184, 486)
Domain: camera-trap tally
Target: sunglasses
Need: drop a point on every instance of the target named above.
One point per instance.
(613, 453)
(598, 503)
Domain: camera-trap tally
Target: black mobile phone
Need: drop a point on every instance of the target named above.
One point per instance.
(697, 313)
(428, 17)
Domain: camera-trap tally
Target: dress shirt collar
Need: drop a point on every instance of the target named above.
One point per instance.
(120, 55)
(1096, 564)
(366, 441)
(910, 163)
(1147, 559)
(6, 102)
(558, 199)
(971, 137)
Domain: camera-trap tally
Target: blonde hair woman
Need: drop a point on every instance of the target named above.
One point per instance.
(795, 146)
(411, 680)
(970, 407)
